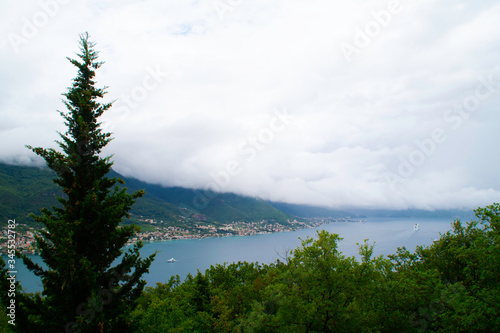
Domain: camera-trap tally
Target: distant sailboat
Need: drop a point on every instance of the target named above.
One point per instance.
(171, 260)
(416, 227)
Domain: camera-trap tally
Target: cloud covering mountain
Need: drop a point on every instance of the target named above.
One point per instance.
(386, 104)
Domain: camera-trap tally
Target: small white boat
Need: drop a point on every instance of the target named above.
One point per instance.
(416, 227)
(171, 260)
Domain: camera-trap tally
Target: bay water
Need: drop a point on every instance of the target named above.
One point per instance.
(387, 234)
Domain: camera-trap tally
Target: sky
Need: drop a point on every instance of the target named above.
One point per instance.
(373, 104)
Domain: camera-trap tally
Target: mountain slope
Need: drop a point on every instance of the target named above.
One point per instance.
(209, 206)
(25, 190)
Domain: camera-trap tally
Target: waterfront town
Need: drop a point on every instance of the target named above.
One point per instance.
(153, 230)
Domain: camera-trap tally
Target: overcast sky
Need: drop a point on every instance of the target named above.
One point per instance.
(379, 104)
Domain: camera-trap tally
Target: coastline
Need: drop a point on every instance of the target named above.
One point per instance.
(230, 230)
(26, 241)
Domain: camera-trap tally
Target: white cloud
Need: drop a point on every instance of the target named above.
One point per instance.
(197, 91)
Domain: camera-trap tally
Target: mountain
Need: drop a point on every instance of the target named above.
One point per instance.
(25, 190)
(203, 206)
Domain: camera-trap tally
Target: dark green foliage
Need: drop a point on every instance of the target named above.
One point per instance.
(219, 207)
(226, 208)
(26, 190)
(468, 259)
(451, 286)
(82, 290)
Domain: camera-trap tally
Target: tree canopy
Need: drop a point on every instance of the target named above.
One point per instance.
(450, 286)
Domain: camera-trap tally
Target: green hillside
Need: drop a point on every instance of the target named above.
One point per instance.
(25, 190)
(226, 206)
(215, 207)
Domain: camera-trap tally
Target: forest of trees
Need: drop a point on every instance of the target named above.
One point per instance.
(452, 285)
(90, 284)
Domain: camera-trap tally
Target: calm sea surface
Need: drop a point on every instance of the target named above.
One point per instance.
(192, 255)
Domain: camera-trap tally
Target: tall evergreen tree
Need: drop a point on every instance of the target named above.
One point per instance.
(83, 238)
